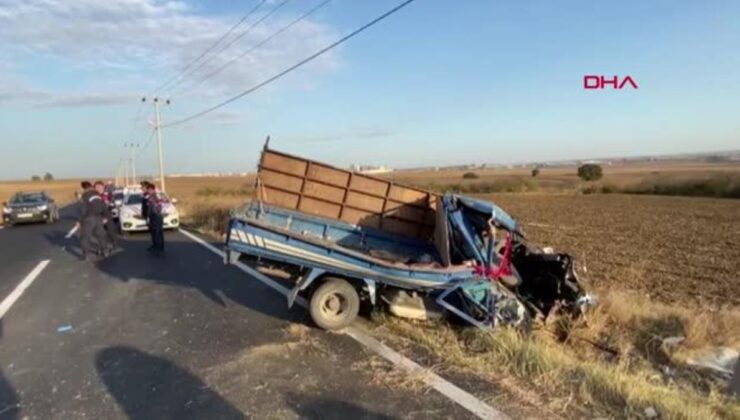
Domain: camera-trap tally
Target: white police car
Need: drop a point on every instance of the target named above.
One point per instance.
(131, 220)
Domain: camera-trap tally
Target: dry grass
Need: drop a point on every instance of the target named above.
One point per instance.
(572, 385)
(618, 175)
(62, 190)
(190, 188)
(205, 203)
(633, 323)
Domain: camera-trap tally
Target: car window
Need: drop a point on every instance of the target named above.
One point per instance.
(118, 196)
(34, 198)
(134, 199)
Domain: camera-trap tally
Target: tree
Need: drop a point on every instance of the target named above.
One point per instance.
(470, 175)
(535, 172)
(590, 172)
(35, 178)
(48, 177)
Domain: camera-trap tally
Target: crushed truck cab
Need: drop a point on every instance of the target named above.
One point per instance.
(349, 238)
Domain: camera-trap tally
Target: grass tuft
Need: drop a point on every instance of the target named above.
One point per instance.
(721, 185)
(611, 389)
(210, 218)
(509, 185)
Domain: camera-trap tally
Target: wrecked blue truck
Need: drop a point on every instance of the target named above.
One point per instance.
(349, 238)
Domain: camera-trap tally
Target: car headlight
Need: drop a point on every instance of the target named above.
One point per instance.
(43, 207)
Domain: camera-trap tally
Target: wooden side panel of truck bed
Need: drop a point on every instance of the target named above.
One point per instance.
(322, 190)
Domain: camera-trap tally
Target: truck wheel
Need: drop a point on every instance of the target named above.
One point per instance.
(335, 304)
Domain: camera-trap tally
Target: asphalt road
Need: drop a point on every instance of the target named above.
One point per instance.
(181, 336)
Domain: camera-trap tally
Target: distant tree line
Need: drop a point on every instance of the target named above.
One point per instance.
(47, 177)
(590, 172)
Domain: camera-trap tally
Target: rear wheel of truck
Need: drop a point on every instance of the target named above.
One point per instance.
(335, 304)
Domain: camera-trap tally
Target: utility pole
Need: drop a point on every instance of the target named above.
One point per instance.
(132, 160)
(158, 127)
(119, 174)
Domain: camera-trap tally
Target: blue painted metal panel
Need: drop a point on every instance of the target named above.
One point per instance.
(311, 242)
(499, 216)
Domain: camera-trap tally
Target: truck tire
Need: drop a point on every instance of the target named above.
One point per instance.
(335, 304)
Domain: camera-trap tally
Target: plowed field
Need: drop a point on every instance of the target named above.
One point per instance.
(674, 249)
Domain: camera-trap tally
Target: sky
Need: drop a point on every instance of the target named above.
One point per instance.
(440, 82)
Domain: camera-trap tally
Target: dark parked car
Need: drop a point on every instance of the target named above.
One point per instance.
(30, 207)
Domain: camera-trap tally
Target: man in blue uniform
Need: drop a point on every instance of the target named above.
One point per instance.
(155, 218)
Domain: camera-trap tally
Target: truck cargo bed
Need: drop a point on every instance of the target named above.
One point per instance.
(291, 236)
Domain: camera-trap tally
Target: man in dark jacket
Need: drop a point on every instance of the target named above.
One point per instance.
(155, 218)
(108, 224)
(92, 212)
(144, 202)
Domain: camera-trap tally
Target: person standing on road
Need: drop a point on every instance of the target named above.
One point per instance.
(155, 218)
(108, 225)
(84, 232)
(92, 212)
(144, 202)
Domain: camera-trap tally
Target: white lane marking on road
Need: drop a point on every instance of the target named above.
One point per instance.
(444, 387)
(72, 231)
(22, 286)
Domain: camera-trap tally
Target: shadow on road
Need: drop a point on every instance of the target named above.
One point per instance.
(71, 245)
(307, 407)
(58, 237)
(9, 403)
(151, 387)
(188, 264)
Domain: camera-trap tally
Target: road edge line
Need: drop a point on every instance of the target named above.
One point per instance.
(441, 385)
(9, 300)
(72, 231)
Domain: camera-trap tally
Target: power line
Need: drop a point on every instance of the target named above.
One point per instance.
(231, 42)
(181, 73)
(291, 68)
(254, 47)
(148, 142)
(136, 118)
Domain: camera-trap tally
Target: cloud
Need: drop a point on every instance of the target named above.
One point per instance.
(15, 89)
(360, 133)
(115, 47)
(86, 99)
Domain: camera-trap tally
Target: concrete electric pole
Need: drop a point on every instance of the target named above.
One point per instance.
(159, 142)
(132, 160)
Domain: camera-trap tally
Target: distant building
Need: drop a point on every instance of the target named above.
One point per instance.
(369, 169)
